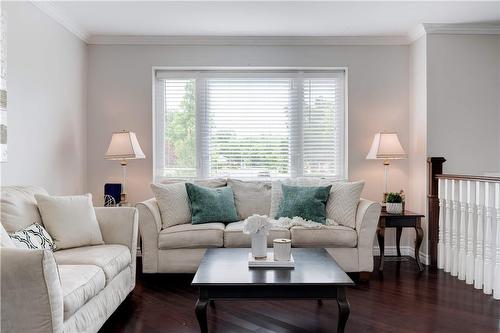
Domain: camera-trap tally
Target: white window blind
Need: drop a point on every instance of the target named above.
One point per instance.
(323, 124)
(250, 125)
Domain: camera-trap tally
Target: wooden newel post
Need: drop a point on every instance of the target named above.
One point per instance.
(434, 167)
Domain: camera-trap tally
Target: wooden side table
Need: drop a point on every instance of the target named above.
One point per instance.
(399, 221)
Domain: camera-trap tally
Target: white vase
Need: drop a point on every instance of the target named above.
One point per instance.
(259, 244)
(394, 207)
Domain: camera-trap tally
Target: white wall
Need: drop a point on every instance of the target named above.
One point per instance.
(46, 84)
(463, 115)
(119, 88)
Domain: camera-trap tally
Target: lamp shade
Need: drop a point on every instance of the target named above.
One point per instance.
(386, 146)
(124, 146)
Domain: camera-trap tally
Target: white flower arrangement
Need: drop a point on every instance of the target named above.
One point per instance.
(256, 223)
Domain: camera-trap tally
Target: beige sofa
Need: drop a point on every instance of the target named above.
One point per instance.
(180, 248)
(71, 290)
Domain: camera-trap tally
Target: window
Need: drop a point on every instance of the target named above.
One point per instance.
(250, 124)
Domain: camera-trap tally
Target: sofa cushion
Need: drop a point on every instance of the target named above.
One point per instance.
(251, 197)
(5, 240)
(306, 202)
(18, 208)
(277, 189)
(341, 205)
(33, 237)
(79, 284)
(211, 204)
(172, 199)
(192, 236)
(112, 259)
(70, 220)
(234, 236)
(343, 202)
(329, 236)
(173, 203)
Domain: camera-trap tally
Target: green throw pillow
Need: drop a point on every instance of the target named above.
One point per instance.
(306, 202)
(211, 204)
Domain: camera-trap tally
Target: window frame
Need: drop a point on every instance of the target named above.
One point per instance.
(198, 73)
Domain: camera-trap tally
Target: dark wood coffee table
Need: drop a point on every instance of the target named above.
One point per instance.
(224, 275)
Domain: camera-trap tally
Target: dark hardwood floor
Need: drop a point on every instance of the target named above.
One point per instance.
(400, 301)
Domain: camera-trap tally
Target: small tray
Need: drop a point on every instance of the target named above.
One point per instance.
(269, 262)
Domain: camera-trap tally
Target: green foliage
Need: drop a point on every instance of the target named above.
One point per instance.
(180, 133)
(394, 197)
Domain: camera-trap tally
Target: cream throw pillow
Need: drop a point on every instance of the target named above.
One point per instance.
(70, 220)
(342, 203)
(5, 240)
(252, 197)
(173, 202)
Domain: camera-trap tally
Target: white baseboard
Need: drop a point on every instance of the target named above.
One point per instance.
(405, 251)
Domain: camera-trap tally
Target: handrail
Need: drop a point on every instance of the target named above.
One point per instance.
(469, 177)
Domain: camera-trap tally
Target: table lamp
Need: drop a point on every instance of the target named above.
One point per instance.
(386, 146)
(123, 147)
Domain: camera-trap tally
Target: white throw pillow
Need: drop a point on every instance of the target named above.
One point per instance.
(252, 197)
(70, 220)
(5, 240)
(343, 202)
(34, 237)
(173, 202)
(341, 205)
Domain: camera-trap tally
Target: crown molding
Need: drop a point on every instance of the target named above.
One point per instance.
(246, 40)
(51, 10)
(462, 29)
(416, 33)
(453, 29)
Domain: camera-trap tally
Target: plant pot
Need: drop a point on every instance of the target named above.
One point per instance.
(394, 207)
(259, 244)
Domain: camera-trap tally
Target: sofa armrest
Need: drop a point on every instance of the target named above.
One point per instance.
(119, 225)
(32, 298)
(149, 226)
(367, 216)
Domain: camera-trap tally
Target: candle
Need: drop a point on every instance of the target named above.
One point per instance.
(282, 249)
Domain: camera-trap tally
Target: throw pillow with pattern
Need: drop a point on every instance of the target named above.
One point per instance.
(34, 237)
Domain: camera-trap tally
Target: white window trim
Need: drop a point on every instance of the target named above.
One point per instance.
(188, 72)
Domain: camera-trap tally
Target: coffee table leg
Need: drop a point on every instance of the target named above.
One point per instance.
(201, 314)
(343, 309)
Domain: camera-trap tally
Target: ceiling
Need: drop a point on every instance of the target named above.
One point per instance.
(265, 18)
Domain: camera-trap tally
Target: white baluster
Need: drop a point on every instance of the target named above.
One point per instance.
(447, 227)
(496, 276)
(478, 260)
(463, 230)
(454, 228)
(488, 238)
(442, 204)
(471, 203)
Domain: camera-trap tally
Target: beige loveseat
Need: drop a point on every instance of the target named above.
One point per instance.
(180, 248)
(71, 290)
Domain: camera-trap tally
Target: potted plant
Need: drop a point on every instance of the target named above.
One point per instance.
(394, 203)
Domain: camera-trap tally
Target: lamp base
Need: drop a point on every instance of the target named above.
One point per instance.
(123, 198)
